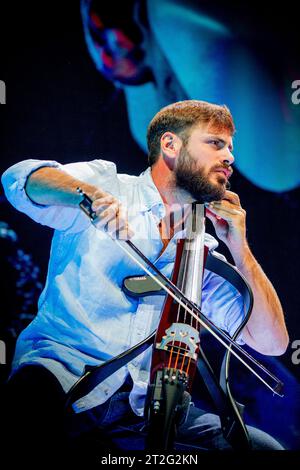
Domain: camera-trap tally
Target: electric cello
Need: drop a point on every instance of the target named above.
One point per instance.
(177, 352)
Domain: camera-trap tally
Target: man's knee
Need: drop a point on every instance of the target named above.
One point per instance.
(260, 440)
(204, 430)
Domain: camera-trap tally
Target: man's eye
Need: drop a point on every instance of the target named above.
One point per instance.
(215, 142)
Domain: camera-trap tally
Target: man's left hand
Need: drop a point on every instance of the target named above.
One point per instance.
(229, 220)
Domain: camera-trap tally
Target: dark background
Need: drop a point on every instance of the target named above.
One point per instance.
(59, 107)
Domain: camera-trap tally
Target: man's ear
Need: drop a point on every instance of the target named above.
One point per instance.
(170, 144)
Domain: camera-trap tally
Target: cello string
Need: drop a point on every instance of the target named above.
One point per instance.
(191, 219)
(179, 307)
(196, 326)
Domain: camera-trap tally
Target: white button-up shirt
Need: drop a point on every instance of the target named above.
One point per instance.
(84, 316)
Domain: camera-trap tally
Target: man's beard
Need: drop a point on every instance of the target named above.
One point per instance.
(196, 182)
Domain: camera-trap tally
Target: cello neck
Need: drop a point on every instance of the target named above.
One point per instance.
(193, 255)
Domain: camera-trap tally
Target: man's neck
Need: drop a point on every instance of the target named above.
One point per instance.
(177, 202)
(164, 181)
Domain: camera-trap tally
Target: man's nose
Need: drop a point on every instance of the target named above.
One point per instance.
(227, 157)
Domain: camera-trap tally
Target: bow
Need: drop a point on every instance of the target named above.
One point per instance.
(183, 348)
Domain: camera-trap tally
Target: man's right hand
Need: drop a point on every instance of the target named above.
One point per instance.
(111, 216)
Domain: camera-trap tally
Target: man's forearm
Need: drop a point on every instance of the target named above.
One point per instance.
(51, 186)
(265, 331)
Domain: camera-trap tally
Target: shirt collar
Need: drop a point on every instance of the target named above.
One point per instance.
(151, 196)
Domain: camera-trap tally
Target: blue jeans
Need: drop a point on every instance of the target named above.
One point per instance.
(202, 431)
(37, 429)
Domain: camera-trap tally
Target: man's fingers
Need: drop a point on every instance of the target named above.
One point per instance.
(223, 210)
(112, 217)
(122, 234)
(232, 197)
(110, 212)
(227, 206)
(100, 203)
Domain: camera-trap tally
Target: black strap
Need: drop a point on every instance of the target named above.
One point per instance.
(231, 274)
(94, 375)
(233, 428)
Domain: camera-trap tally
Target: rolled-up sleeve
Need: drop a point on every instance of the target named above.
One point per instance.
(57, 217)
